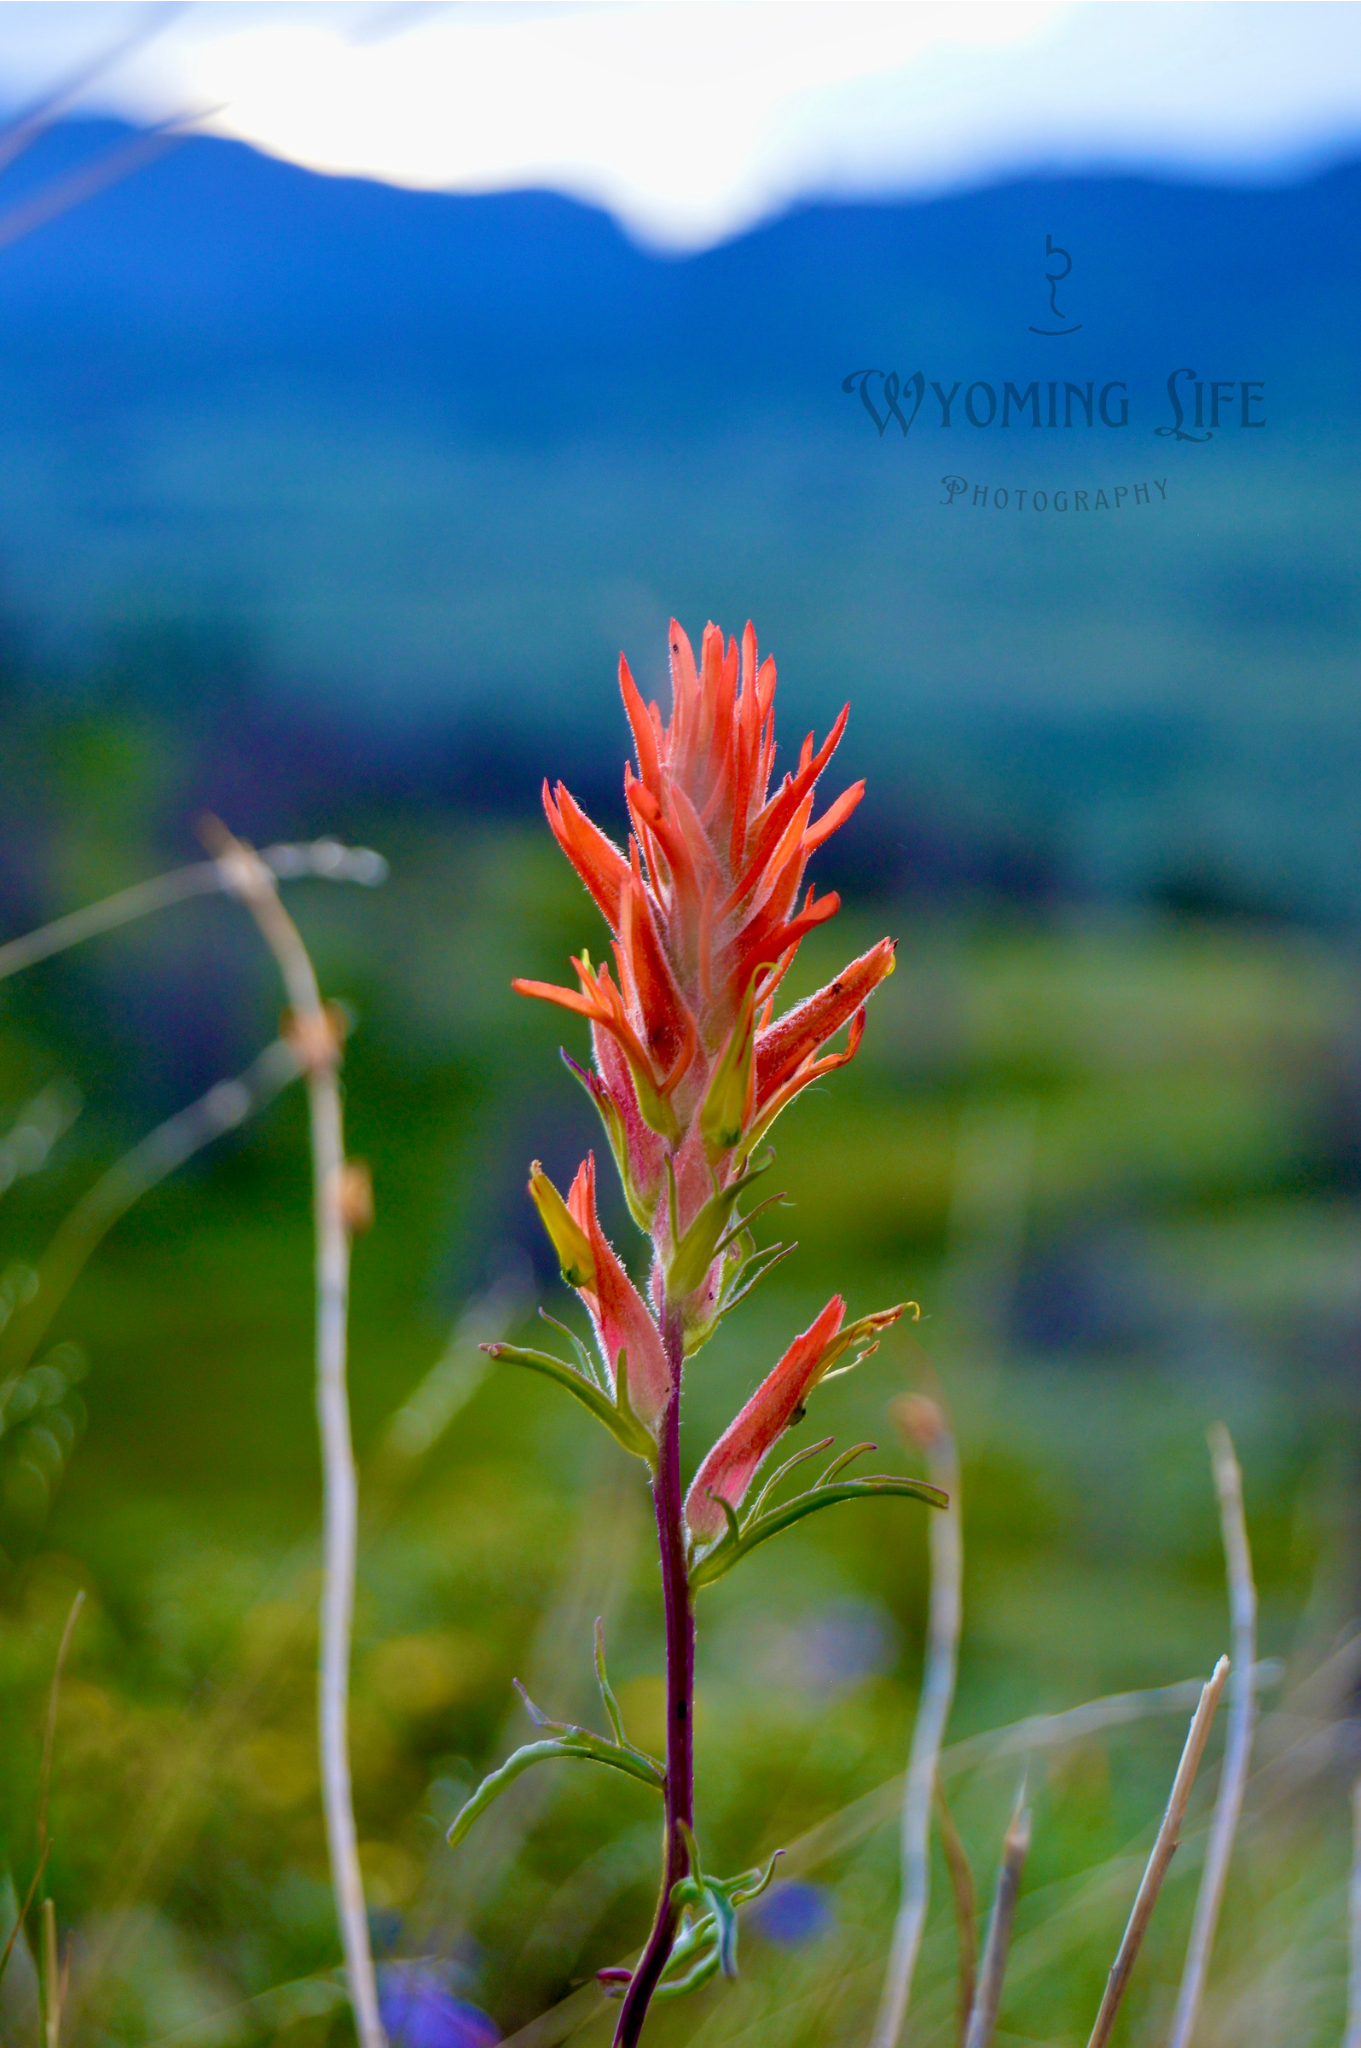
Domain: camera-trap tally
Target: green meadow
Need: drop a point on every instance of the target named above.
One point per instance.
(1113, 1156)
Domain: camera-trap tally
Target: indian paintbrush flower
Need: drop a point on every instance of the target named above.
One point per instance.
(692, 1065)
(707, 910)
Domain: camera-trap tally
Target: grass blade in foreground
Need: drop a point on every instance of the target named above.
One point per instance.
(924, 1425)
(1015, 1848)
(1238, 1745)
(1164, 1849)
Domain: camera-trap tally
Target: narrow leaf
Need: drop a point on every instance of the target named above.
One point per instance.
(759, 1530)
(677, 1987)
(582, 1745)
(838, 1465)
(588, 1365)
(782, 1471)
(622, 1424)
(606, 1689)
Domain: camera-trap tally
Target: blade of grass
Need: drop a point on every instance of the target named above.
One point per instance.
(927, 1424)
(1352, 2037)
(45, 1777)
(1228, 1480)
(51, 1976)
(1164, 1848)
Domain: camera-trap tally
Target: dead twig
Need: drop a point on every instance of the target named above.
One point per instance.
(1233, 1776)
(1164, 1848)
(1015, 1847)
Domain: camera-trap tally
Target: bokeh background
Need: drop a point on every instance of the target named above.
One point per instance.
(331, 486)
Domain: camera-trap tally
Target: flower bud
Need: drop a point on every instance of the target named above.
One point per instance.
(727, 1103)
(570, 1241)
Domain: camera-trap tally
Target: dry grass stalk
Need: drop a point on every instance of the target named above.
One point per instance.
(45, 1778)
(1015, 1847)
(921, 1421)
(323, 859)
(1228, 1480)
(1164, 1848)
(51, 1977)
(966, 1905)
(316, 1042)
(1352, 2036)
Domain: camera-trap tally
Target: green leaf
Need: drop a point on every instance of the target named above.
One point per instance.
(760, 1528)
(618, 1418)
(782, 1472)
(581, 1744)
(607, 1695)
(839, 1464)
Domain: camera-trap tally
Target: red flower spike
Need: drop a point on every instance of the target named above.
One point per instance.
(617, 1310)
(704, 909)
(707, 905)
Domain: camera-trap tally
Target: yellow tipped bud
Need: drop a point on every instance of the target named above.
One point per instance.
(570, 1241)
(728, 1100)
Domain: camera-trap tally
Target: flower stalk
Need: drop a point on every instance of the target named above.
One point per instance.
(691, 1070)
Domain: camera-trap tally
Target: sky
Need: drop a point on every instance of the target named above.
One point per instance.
(691, 120)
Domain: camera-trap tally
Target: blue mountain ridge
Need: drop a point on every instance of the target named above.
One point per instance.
(434, 459)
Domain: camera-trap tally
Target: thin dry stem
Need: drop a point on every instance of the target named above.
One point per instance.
(44, 1778)
(317, 1043)
(933, 1711)
(1015, 1848)
(1233, 1776)
(1164, 1848)
(1352, 2037)
(51, 1977)
(324, 859)
(50, 1725)
(966, 1905)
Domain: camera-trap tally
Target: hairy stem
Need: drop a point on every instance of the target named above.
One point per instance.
(680, 1698)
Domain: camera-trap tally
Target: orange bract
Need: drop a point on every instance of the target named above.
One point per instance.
(705, 911)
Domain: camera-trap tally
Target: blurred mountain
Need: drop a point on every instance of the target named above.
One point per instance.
(410, 466)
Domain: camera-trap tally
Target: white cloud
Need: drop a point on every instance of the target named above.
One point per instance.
(691, 119)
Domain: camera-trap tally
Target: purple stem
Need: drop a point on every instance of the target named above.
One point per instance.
(679, 1793)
